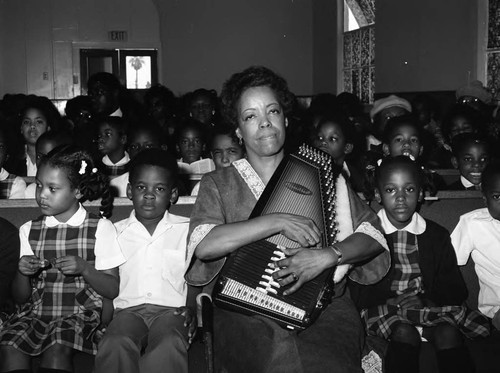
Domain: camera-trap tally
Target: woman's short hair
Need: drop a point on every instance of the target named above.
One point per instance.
(254, 76)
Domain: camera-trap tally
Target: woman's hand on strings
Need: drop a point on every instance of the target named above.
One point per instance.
(300, 266)
(299, 229)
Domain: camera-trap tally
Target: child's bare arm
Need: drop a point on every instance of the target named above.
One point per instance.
(107, 312)
(21, 286)
(105, 283)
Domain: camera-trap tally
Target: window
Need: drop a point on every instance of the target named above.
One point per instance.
(136, 68)
(493, 49)
(359, 48)
(140, 67)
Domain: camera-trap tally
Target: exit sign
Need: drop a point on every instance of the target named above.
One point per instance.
(117, 35)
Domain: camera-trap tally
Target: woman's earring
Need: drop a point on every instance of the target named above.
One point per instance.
(240, 141)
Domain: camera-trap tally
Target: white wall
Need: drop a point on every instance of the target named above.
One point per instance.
(42, 40)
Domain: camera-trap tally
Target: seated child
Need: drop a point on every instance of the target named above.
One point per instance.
(225, 147)
(146, 136)
(477, 235)
(44, 145)
(383, 110)
(425, 108)
(403, 136)
(111, 140)
(423, 293)
(190, 145)
(153, 309)
(69, 263)
(335, 136)
(161, 105)
(11, 186)
(38, 115)
(81, 123)
(201, 106)
(471, 154)
(460, 119)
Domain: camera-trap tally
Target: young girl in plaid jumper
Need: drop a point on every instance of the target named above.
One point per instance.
(69, 262)
(423, 294)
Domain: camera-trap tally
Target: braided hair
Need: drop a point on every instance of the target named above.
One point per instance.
(82, 174)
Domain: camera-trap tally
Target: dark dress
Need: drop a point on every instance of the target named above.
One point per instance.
(258, 344)
(434, 274)
(62, 309)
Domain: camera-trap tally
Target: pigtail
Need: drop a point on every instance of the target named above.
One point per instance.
(83, 174)
(95, 185)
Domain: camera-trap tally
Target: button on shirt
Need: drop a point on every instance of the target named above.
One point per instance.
(155, 266)
(477, 234)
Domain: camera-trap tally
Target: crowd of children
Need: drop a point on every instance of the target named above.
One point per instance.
(69, 268)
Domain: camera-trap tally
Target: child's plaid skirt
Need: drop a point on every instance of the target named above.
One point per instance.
(63, 309)
(380, 320)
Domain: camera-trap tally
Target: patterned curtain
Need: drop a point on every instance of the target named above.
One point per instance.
(494, 24)
(363, 11)
(359, 63)
(359, 51)
(493, 54)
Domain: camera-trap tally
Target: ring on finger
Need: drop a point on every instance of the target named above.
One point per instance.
(294, 276)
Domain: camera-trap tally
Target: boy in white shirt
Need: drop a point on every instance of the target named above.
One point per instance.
(153, 311)
(111, 141)
(477, 234)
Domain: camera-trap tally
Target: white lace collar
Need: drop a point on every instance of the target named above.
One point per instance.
(250, 177)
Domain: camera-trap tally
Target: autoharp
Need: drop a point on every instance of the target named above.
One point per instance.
(303, 184)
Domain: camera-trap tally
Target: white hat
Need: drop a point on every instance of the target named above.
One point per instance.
(388, 102)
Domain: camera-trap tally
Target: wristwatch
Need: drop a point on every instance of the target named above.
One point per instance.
(339, 254)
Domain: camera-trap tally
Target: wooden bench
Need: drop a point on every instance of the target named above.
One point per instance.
(446, 210)
(20, 211)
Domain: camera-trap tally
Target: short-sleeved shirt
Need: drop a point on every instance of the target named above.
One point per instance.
(16, 185)
(477, 234)
(155, 266)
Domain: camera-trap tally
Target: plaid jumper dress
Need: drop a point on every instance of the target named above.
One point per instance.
(407, 279)
(6, 186)
(63, 309)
